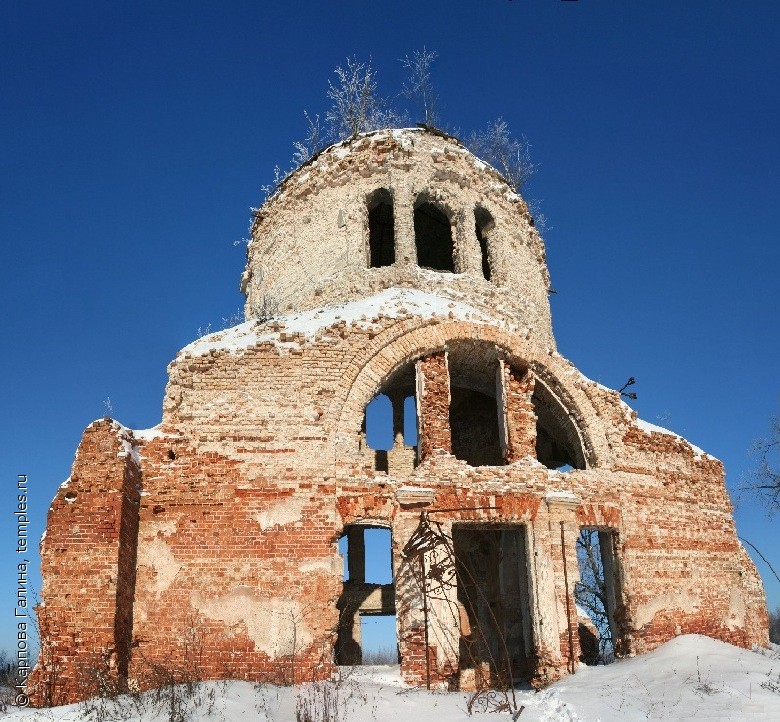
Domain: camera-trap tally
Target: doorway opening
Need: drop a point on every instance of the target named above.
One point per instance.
(496, 645)
(378, 639)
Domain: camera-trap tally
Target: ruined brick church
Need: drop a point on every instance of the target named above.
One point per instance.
(230, 538)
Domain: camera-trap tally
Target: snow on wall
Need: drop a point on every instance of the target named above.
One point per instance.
(649, 428)
(366, 314)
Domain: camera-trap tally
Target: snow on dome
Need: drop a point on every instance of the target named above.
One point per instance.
(390, 303)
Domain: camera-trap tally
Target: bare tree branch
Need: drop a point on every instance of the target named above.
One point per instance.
(313, 142)
(418, 86)
(590, 592)
(508, 155)
(764, 479)
(354, 102)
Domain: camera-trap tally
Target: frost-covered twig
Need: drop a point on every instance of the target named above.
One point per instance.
(353, 98)
(510, 156)
(313, 142)
(418, 86)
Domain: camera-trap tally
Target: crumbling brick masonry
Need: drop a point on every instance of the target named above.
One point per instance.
(395, 264)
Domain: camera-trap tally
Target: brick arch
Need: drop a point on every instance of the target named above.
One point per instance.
(410, 339)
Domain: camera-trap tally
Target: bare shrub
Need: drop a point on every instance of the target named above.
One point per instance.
(313, 142)
(772, 684)
(774, 626)
(418, 86)
(265, 309)
(174, 692)
(383, 655)
(266, 700)
(764, 480)
(328, 700)
(7, 681)
(175, 695)
(357, 107)
(509, 155)
(354, 102)
(233, 319)
(270, 188)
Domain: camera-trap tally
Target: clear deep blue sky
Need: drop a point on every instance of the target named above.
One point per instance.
(136, 136)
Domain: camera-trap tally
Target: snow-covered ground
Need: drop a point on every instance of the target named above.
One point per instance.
(691, 677)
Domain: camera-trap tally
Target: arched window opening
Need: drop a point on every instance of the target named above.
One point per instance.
(381, 230)
(499, 410)
(474, 422)
(390, 424)
(378, 429)
(379, 423)
(484, 223)
(368, 593)
(433, 238)
(558, 445)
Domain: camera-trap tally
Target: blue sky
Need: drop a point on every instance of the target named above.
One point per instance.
(136, 137)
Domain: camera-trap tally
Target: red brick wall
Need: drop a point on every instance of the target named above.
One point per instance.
(88, 564)
(520, 415)
(258, 468)
(434, 405)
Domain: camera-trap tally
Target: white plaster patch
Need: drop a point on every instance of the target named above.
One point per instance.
(281, 514)
(158, 528)
(684, 601)
(275, 625)
(330, 565)
(157, 556)
(735, 617)
(562, 497)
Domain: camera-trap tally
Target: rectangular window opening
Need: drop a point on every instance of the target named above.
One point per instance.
(368, 593)
(596, 595)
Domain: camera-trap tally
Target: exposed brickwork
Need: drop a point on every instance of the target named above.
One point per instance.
(327, 201)
(88, 562)
(211, 543)
(434, 405)
(520, 416)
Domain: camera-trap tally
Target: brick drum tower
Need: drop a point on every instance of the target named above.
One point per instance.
(229, 540)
